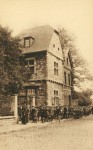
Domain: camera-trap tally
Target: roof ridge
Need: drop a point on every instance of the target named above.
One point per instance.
(28, 29)
(37, 27)
(41, 26)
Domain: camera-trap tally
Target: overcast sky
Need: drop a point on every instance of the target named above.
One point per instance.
(74, 15)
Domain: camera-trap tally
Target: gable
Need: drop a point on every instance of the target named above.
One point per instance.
(55, 46)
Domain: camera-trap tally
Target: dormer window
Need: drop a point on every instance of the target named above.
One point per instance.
(28, 41)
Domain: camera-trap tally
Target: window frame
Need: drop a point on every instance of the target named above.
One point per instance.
(55, 68)
(30, 41)
(56, 98)
(31, 65)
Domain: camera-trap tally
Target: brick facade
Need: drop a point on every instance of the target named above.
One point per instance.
(51, 87)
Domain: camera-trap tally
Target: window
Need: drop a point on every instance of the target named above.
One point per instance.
(56, 98)
(65, 78)
(69, 79)
(55, 68)
(31, 64)
(58, 48)
(31, 91)
(28, 41)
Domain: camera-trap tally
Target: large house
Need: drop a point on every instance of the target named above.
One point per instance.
(49, 69)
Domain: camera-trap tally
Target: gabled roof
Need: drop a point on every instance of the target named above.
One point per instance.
(42, 36)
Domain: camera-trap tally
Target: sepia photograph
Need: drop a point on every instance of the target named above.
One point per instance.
(46, 74)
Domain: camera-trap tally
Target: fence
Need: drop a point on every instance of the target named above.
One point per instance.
(6, 107)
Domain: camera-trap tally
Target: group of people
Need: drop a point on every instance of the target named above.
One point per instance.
(48, 114)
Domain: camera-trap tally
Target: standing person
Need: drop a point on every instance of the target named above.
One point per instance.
(43, 114)
(50, 116)
(27, 113)
(70, 112)
(32, 113)
(52, 113)
(35, 115)
(24, 114)
(61, 112)
(65, 112)
(39, 113)
(47, 114)
(20, 112)
(58, 113)
(55, 115)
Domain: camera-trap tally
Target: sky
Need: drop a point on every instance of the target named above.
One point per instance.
(74, 15)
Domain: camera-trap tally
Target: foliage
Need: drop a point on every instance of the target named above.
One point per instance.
(83, 98)
(80, 72)
(11, 63)
(88, 93)
(79, 65)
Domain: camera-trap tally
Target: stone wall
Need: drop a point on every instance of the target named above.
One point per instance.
(50, 68)
(55, 46)
(51, 86)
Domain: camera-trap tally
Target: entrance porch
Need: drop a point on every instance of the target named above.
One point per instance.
(29, 95)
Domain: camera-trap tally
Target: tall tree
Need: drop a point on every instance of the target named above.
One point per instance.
(11, 63)
(79, 65)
